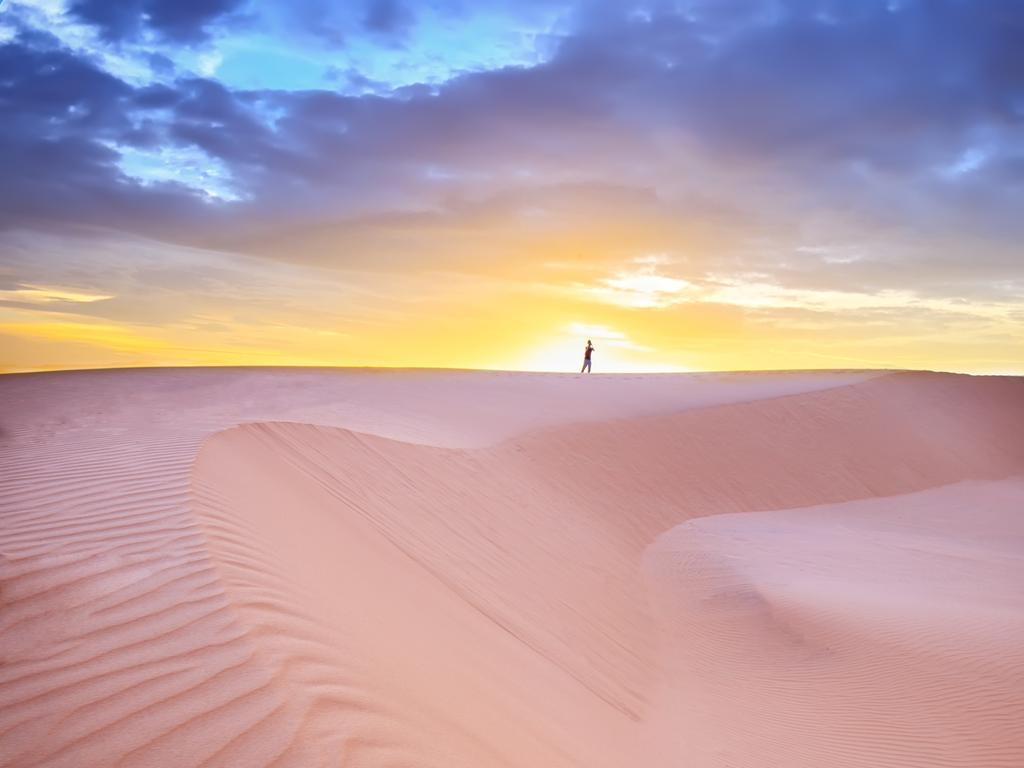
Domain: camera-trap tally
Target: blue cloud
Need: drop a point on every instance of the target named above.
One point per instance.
(182, 22)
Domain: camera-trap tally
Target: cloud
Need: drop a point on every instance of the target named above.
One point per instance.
(185, 22)
(785, 128)
(39, 294)
(643, 286)
(388, 17)
(66, 117)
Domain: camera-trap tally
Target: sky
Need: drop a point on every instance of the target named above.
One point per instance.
(693, 185)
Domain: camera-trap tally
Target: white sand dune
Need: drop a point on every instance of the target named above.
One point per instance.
(458, 568)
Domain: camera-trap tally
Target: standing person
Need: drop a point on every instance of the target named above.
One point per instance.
(586, 357)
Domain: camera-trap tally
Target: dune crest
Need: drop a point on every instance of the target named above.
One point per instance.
(531, 552)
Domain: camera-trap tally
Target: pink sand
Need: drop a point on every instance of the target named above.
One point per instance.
(369, 568)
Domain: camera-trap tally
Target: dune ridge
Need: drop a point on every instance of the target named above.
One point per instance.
(116, 635)
(541, 537)
(449, 568)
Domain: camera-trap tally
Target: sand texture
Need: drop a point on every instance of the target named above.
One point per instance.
(256, 567)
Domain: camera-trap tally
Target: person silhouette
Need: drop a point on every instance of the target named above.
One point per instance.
(586, 357)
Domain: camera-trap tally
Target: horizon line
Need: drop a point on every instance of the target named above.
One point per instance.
(456, 369)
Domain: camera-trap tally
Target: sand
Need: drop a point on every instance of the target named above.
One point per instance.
(255, 567)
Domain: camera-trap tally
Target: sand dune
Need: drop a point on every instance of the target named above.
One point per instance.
(881, 632)
(246, 567)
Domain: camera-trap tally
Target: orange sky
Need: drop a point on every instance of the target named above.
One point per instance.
(642, 312)
(693, 186)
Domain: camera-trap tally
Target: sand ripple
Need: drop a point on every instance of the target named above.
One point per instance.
(467, 585)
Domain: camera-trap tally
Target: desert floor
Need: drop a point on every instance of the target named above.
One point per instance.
(299, 567)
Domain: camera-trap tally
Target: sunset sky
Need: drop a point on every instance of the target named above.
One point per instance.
(694, 185)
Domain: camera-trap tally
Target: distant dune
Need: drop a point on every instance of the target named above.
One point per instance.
(260, 567)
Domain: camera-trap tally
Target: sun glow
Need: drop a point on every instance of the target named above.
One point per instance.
(614, 352)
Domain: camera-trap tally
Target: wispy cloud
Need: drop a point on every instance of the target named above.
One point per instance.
(38, 294)
(766, 295)
(642, 286)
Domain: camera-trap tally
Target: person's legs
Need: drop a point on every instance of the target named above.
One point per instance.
(586, 366)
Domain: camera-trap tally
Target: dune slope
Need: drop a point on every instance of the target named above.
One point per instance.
(246, 567)
(488, 605)
(881, 632)
(119, 645)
